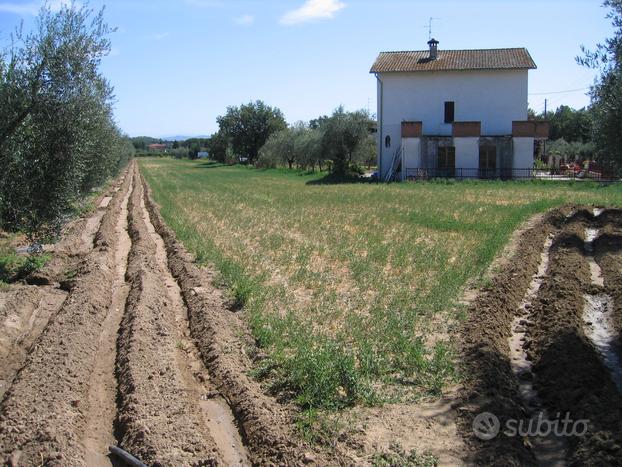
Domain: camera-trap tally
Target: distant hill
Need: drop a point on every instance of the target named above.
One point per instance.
(183, 137)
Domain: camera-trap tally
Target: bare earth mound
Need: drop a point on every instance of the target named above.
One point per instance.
(543, 340)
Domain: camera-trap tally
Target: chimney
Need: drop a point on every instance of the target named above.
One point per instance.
(433, 43)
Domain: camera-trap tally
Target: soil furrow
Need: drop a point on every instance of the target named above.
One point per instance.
(490, 382)
(44, 413)
(25, 310)
(28, 311)
(549, 449)
(216, 415)
(598, 315)
(159, 418)
(570, 376)
(608, 255)
(264, 425)
(99, 434)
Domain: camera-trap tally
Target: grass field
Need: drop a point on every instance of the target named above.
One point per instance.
(351, 289)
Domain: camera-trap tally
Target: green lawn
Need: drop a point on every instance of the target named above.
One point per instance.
(351, 289)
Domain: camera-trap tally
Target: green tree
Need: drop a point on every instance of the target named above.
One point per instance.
(249, 126)
(217, 146)
(606, 93)
(343, 133)
(570, 124)
(367, 151)
(57, 135)
(308, 147)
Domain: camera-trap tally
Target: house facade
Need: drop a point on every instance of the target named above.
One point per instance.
(457, 113)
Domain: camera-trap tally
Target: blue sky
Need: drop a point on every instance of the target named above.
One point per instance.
(177, 64)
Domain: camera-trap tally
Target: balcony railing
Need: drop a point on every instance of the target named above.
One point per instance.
(505, 174)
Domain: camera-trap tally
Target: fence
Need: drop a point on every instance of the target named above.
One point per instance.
(506, 174)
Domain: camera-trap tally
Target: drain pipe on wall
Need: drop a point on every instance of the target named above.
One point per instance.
(380, 115)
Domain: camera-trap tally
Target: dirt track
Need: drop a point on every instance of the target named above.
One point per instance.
(568, 333)
(140, 352)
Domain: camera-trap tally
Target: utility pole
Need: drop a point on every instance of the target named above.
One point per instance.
(545, 104)
(546, 101)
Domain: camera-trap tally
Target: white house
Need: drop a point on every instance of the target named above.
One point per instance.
(459, 113)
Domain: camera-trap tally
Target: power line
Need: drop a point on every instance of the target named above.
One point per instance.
(557, 92)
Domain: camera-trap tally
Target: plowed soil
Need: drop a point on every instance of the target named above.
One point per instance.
(567, 370)
(128, 344)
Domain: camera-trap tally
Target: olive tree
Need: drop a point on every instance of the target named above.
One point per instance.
(343, 134)
(606, 93)
(58, 138)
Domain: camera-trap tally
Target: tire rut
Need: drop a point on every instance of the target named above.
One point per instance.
(570, 374)
(28, 312)
(44, 413)
(216, 414)
(528, 351)
(99, 433)
(159, 418)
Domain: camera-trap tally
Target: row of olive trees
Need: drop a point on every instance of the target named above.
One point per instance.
(58, 139)
(606, 93)
(343, 142)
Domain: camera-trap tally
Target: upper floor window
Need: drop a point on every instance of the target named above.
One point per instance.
(387, 142)
(449, 111)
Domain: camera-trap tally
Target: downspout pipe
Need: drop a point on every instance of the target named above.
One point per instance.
(380, 125)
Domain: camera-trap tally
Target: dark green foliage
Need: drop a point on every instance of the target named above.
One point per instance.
(248, 127)
(570, 124)
(58, 139)
(217, 146)
(343, 134)
(607, 92)
(297, 145)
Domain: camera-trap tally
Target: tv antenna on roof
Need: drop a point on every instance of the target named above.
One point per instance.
(429, 27)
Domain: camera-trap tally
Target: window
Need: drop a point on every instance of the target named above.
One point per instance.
(447, 161)
(487, 161)
(387, 142)
(449, 112)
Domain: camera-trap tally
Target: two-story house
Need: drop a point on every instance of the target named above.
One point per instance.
(459, 113)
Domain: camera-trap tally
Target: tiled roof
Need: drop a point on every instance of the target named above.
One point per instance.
(482, 59)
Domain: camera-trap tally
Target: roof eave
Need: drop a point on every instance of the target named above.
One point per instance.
(375, 71)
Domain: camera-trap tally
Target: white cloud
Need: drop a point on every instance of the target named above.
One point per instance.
(313, 10)
(159, 36)
(244, 20)
(20, 8)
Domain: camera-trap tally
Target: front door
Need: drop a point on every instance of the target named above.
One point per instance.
(487, 161)
(446, 161)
